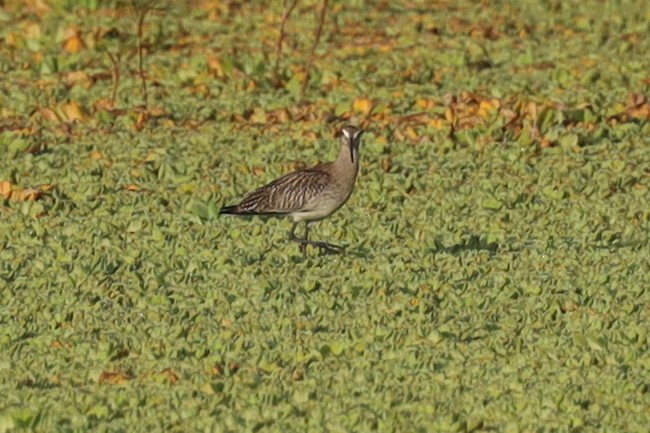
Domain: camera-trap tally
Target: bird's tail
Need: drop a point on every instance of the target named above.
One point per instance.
(238, 210)
(229, 210)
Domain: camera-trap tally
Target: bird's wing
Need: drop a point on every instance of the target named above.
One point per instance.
(290, 193)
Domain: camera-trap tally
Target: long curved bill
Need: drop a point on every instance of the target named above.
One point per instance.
(356, 141)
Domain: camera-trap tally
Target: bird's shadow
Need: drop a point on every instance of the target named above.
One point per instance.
(473, 243)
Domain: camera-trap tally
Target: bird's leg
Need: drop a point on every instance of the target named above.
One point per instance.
(292, 233)
(303, 246)
(301, 241)
(305, 241)
(329, 247)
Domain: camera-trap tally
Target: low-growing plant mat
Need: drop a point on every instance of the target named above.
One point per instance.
(497, 273)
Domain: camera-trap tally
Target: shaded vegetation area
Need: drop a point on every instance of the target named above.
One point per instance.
(496, 276)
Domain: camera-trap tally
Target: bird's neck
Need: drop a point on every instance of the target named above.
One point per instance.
(346, 158)
(348, 165)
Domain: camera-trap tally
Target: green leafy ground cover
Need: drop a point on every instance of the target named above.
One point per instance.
(497, 274)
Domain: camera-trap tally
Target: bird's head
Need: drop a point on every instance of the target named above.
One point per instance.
(351, 138)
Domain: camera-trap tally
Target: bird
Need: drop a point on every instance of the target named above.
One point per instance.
(310, 194)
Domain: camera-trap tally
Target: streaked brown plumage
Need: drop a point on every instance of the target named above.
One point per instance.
(310, 194)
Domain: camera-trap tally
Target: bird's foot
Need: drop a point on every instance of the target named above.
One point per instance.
(337, 249)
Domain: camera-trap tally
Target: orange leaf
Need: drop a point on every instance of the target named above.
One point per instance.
(363, 105)
(438, 123)
(486, 108)
(131, 187)
(5, 189)
(96, 154)
(74, 44)
(73, 41)
(27, 194)
(426, 103)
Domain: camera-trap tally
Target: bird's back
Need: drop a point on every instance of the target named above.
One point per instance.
(294, 192)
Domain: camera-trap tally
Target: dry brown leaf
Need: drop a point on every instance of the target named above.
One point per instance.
(280, 115)
(156, 111)
(114, 378)
(141, 121)
(78, 77)
(411, 133)
(642, 112)
(12, 39)
(201, 89)
(636, 99)
(170, 375)
(638, 106)
(105, 104)
(450, 116)
(33, 31)
(387, 164)
(546, 143)
(215, 65)
(72, 112)
(168, 123)
(48, 114)
(258, 116)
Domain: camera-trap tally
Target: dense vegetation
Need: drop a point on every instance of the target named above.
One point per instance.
(496, 276)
